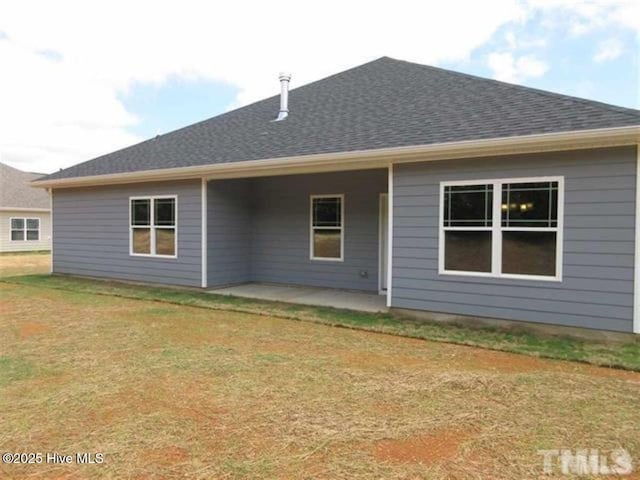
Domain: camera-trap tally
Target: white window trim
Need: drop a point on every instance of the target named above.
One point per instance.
(152, 226)
(496, 229)
(24, 229)
(341, 227)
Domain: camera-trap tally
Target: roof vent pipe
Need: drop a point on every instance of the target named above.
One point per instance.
(284, 96)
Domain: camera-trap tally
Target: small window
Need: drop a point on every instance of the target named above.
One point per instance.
(17, 229)
(25, 229)
(502, 228)
(153, 226)
(327, 235)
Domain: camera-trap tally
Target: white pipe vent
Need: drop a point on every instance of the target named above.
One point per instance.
(284, 96)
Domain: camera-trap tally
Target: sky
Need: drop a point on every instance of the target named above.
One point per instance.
(80, 79)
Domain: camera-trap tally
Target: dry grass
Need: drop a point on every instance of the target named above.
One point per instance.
(170, 391)
(24, 263)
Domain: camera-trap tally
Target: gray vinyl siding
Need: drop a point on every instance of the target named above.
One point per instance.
(281, 229)
(91, 234)
(597, 287)
(229, 232)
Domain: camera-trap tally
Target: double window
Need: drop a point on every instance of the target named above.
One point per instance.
(503, 228)
(25, 229)
(153, 226)
(327, 227)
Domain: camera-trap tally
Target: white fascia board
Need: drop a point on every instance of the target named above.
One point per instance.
(362, 159)
(24, 209)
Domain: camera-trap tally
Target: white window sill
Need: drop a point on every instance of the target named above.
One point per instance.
(147, 255)
(508, 276)
(321, 259)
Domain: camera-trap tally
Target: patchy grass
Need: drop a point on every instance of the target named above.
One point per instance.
(626, 356)
(168, 390)
(14, 368)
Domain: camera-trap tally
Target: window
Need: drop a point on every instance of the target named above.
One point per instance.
(468, 222)
(327, 233)
(153, 226)
(502, 228)
(25, 229)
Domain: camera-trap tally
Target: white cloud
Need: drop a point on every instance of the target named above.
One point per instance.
(583, 16)
(609, 50)
(524, 41)
(54, 114)
(508, 68)
(64, 66)
(64, 63)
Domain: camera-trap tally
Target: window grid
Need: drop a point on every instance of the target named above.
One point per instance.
(556, 184)
(551, 188)
(339, 225)
(25, 229)
(486, 220)
(152, 226)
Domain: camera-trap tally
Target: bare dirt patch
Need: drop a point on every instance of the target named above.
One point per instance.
(425, 449)
(166, 455)
(503, 362)
(30, 329)
(476, 358)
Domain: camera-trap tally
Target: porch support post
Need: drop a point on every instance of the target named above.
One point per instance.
(636, 290)
(390, 235)
(51, 228)
(203, 238)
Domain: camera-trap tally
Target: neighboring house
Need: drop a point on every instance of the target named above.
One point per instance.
(25, 213)
(446, 192)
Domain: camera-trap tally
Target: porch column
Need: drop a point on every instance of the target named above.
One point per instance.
(203, 238)
(636, 290)
(390, 235)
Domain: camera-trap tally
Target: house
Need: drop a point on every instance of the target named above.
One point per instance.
(25, 213)
(443, 191)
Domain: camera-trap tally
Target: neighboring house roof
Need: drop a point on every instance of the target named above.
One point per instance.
(16, 193)
(381, 104)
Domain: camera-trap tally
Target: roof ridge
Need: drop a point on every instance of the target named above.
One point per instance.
(631, 112)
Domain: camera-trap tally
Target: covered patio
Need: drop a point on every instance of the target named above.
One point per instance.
(315, 239)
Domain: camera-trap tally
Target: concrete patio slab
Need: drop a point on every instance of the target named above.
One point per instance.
(324, 297)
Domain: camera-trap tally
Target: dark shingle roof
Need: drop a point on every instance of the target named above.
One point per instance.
(15, 191)
(383, 103)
